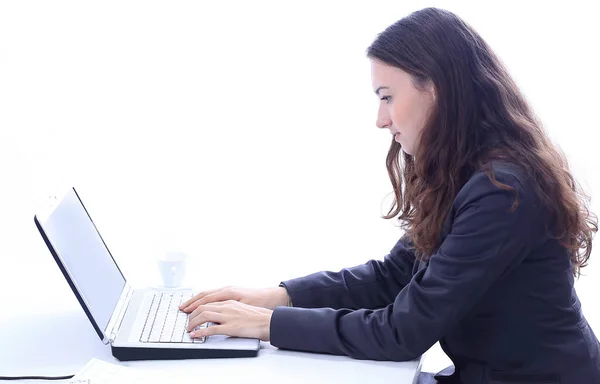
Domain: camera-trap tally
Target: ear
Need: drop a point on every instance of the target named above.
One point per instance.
(431, 89)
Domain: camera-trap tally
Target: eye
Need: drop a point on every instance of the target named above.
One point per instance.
(386, 98)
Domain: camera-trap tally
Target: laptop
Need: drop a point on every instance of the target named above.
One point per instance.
(139, 324)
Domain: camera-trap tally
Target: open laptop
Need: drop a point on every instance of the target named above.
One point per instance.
(138, 324)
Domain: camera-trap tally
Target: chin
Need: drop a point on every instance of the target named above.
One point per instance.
(407, 151)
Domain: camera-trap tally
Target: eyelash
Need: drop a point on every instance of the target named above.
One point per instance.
(386, 98)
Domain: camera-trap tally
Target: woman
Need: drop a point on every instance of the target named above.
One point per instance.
(495, 231)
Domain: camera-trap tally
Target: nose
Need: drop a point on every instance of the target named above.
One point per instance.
(383, 118)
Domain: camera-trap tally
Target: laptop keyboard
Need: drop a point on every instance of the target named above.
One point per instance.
(165, 323)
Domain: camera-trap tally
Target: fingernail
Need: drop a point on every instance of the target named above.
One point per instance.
(193, 334)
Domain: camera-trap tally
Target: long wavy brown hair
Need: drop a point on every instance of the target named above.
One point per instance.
(480, 115)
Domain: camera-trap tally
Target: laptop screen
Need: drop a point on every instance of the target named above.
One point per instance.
(84, 255)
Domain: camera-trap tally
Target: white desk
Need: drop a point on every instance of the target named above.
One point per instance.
(61, 343)
(44, 331)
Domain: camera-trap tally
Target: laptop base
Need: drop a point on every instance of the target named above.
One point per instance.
(136, 353)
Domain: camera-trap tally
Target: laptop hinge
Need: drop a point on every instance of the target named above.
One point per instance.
(110, 334)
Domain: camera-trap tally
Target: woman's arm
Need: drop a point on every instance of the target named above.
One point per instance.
(486, 239)
(374, 284)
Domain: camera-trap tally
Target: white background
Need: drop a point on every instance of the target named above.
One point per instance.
(240, 132)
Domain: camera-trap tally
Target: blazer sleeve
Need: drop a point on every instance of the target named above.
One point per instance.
(374, 284)
(485, 239)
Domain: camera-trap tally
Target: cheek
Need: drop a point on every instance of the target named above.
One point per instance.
(399, 114)
(407, 116)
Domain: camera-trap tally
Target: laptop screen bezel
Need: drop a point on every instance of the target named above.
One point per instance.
(40, 219)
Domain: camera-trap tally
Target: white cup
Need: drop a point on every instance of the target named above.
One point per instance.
(172, 266)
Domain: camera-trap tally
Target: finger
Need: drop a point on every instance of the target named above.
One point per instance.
(198, 296)
(193, 299)
(225, 302)
(201, 308)
(227, 307)
(205, 317)
(212, 330)
(221, 295)
(192, 303)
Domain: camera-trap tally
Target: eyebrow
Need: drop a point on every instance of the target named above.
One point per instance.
(379, 89)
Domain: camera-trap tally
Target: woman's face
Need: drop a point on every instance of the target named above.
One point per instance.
(403, 108)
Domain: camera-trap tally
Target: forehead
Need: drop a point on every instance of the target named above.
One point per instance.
(383, 74)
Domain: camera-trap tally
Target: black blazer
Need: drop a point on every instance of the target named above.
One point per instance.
(498, 294)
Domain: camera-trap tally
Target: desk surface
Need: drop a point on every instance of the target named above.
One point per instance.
(60, 343)
(44, 331)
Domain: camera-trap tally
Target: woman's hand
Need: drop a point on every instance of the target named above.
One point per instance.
(264, 297)
(234, 319)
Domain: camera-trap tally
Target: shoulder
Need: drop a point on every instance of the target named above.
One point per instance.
(504, 207)
(505, 182)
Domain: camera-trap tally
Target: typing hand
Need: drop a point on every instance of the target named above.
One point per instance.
(265, 297)
(234, 319)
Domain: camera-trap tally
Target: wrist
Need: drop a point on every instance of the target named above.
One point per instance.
(266, 333)
(282, 297)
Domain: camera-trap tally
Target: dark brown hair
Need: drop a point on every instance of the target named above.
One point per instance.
(480, 115)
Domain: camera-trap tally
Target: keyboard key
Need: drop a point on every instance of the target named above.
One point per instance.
(202, 339)
(159, 321)
(170, 320)
(165, 323)
(150, 318)
(179, 328)
(186, 338)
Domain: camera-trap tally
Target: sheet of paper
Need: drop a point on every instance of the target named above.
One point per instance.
(100, 372)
